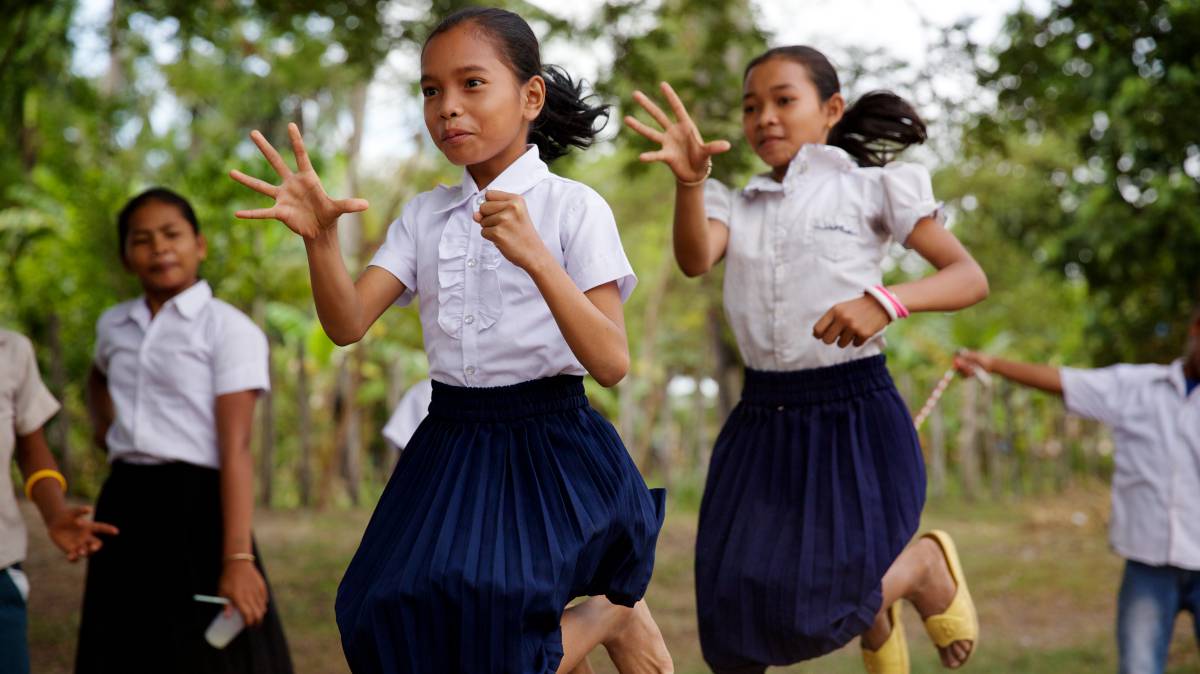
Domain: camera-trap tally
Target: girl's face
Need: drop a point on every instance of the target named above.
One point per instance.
(782, 111)
(475, 109)
(162, 249)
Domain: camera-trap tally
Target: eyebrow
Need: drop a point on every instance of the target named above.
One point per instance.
(458, 71)
(785, 85)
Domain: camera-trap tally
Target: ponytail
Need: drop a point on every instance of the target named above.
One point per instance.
(878, 127)
(875, 129)
(567, 119)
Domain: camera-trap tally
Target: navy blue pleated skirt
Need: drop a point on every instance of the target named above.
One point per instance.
(816, 485)
(507, 503)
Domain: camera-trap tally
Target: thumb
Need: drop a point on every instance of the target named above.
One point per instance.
(352, 205)
(717, 147)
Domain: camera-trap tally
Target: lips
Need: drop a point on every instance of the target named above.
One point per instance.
(767, 141)
(455, 136)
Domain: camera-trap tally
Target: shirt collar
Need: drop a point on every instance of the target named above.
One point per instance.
(188, 303)
(520, 177)
(812, 158)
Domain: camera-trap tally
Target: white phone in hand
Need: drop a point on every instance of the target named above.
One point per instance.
(224, 628)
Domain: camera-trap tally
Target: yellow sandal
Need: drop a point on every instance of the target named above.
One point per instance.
(959, 622)
(892, 656)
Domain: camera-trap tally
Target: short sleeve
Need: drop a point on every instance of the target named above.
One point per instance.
(1095, 394)
(240, 356)
(33, 405)
(398, 254)
(592, 251)
(907, 199)
(718, 201)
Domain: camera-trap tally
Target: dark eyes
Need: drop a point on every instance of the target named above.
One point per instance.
(429, 92)
(782, 100)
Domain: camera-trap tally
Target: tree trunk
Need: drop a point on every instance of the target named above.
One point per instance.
(968, 437)
(303, 426)
(937, 451)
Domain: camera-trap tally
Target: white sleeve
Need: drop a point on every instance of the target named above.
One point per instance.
(1095, 394)
(591, 244)
(100, 353)
(33, 404)
(398, 254)
(718, 201)
(907, 199)
(240, 356)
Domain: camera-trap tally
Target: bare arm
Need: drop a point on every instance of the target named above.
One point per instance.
(240, 581)
(1043, 377)
(958, 282)
(699, 241)
(345, 308)
(99, 406)
(70, 528)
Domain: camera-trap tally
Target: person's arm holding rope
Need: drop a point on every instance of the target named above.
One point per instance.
(1043, 377)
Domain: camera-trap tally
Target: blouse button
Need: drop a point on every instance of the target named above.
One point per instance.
(479, 200)
(470, 370)
(469, 319)
(471, 262)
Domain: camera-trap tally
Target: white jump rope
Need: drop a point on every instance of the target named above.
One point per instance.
(943, 383)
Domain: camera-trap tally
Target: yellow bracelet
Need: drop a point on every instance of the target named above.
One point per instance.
(240, 557)
(41, 475)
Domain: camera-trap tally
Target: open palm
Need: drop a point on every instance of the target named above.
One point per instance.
(300, 200)
(683, 149)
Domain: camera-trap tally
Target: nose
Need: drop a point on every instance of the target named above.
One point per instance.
(450, 108)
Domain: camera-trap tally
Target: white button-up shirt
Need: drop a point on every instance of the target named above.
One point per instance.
(164, 374)
(799, 247)
(1156, 484)
(484, 321)
(25, 406)
(409, 413)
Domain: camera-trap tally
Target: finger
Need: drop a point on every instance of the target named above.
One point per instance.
(260, 186)
(493, 207)
(490, 221)
(657, 155)
(648, 133)
(103, 528)
(823, 324)
(848, 335)
(652, 108)
(354, 205)
(497, 195)
(677, 106)
(257, 214)
(269, 152)
(717, 147)
(302, 161)
(832, 333)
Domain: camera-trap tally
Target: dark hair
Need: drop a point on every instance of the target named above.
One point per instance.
(567, 118)
(160, 195)
(878, 126)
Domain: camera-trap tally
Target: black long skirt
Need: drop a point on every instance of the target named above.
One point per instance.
(139, 615)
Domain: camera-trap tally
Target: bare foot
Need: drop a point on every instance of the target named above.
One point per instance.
(637, 646)
(934, 594)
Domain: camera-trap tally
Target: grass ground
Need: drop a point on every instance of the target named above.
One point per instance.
(1040, 572)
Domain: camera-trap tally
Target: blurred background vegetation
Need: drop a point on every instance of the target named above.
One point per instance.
(1065, 148)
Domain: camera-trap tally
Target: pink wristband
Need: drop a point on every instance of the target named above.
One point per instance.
(890, 303)
(901, 310)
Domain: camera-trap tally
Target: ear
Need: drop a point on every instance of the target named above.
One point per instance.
(834, 108)
(533, 94)
(201, 247)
